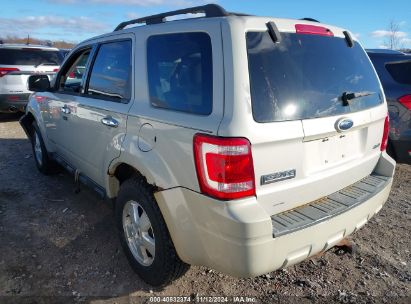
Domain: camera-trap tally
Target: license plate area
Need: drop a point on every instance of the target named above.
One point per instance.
(323, 153)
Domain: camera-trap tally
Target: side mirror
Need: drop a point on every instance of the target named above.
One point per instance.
(38, 83)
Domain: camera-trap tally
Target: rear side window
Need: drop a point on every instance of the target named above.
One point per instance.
(30, 57)
(111, 73)
(400, 71)
(304, 76)
(180, 72)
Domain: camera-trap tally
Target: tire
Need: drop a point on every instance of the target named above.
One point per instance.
(147, 245)
(41, 158)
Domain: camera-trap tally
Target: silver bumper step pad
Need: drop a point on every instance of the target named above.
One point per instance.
(329, 206)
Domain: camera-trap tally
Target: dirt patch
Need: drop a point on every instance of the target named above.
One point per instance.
(58, 246)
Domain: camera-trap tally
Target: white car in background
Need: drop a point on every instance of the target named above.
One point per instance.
(17, 63)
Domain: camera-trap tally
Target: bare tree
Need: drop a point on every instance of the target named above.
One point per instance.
(393, 40)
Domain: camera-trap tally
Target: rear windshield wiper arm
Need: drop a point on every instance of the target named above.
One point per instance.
(346, 97)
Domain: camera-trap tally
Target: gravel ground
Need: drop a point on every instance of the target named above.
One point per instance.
(58, 246)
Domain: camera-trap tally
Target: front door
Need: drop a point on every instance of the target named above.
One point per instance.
(97, 117)
(59, 111)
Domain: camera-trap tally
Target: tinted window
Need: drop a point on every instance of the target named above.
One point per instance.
(30, 57)
(401, 71)
(180, 72)
(64, 53)
(376, 61)
(111, 73)
(72, 80)
(304, 76)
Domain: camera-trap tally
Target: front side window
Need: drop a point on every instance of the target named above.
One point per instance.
(180, 72)
(111, 73)
(72, 79)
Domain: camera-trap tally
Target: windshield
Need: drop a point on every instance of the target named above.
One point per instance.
(305, 76)
(30, 56)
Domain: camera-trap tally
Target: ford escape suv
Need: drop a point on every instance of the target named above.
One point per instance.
(17, 63)
(241, 143)
(394, 71)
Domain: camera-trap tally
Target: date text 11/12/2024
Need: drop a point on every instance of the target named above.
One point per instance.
(202, 299)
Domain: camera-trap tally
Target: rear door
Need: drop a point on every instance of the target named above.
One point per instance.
(317, 112)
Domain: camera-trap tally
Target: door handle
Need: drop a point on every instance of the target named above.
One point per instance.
(65, 109)
(109, 121)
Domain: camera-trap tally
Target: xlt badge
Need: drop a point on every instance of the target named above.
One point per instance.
(276, 177)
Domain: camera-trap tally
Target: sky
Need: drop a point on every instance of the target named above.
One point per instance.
(76, 20)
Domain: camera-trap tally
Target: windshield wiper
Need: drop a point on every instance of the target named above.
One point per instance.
(346, 97)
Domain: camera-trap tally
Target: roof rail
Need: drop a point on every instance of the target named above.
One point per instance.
(210, 10)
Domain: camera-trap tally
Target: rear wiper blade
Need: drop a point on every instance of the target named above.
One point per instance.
(346, 97)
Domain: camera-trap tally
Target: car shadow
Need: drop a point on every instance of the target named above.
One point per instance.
(7, 117)
(59, 244)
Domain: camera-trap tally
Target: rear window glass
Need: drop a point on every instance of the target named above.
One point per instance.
(180, 72)
(400, 72)
(304, 76)
(30, 57)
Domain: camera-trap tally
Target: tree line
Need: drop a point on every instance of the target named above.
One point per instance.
(61, 44)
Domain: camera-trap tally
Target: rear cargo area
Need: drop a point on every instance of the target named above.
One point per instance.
(311, 105)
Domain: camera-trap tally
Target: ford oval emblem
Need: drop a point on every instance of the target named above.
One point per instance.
(344, 124)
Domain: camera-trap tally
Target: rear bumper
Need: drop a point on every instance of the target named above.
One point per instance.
(237, 237)
(10, 103)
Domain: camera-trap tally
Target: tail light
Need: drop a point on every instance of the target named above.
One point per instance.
(13, 97)
(313, 30)
(39, 99)
(406, 101)
(5, 71)
(384, 141)
(55, 70)
(224, 166)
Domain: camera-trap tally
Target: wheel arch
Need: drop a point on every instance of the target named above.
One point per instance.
(121, 171)
(151, 166)
(33, 114)
(26, 122)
